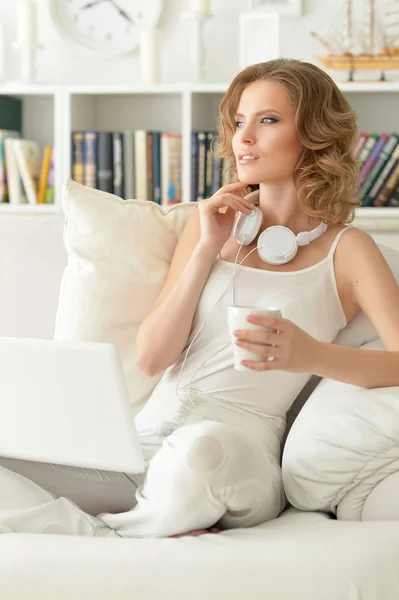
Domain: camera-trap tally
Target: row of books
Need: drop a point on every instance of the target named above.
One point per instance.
(144, 164)
(378, 159)
(138, 164)
(26, 173)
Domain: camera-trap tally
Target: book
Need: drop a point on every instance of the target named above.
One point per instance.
(371, 197)
(78, 156)
(11, 113)
(45, 167)
(363, 137)
(379, 165)
(105, 161)
(156, 166)
(5, 133)
(368, 146)
(171, 164)
(372, 158)
(389, 187)
(49, 198)
(128, 164)
(15, 189)
(90, 158)
(27, 155)
(201, 136)
(140, 163)
(150, 185)
(117, 171)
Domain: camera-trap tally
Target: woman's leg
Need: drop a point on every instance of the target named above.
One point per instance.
(25, 507)
(205, 473)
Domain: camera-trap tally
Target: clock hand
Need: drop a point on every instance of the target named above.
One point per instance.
(122, 12)
(90, 4)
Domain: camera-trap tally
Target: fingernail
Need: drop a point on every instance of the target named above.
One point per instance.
(237, 332)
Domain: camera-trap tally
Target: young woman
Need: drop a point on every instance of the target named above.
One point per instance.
(212, 435)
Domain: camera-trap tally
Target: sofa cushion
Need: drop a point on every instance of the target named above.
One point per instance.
(119, 253)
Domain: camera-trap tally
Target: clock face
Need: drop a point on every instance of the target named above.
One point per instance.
(107, 27)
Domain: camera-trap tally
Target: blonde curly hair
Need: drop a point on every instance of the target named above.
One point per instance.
(326, 175)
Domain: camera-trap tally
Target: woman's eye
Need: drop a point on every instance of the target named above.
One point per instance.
(269, 119)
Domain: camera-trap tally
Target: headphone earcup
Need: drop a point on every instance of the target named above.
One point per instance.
(247, 226)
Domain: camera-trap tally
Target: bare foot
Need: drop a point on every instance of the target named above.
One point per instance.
(197, 532)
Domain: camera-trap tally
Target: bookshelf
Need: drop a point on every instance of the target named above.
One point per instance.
(51, 113)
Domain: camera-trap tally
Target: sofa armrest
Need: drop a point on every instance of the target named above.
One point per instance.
(342, 452)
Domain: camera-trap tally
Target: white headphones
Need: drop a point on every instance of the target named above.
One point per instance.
(277, 245)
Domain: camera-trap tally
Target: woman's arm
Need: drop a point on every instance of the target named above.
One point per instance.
(374, 290)
(164, 332)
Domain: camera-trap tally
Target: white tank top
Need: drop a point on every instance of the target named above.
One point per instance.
(308, 297)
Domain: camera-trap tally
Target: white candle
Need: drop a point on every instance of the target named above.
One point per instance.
(201, 6)
(26, 22)
(150, 56)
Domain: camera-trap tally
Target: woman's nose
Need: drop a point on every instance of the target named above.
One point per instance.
(247, 135)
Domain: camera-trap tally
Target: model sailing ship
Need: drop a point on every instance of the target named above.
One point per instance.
(375, 48)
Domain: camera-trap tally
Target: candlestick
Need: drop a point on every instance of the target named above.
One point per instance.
(150, 56)
(196, 54)
(27, 42)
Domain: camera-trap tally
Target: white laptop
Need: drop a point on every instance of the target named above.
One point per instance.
(66, 403)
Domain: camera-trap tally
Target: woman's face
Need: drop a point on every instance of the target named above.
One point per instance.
(265, 131)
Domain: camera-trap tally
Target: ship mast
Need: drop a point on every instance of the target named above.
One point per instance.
(369, 26)
(347, 36)
(392, 23)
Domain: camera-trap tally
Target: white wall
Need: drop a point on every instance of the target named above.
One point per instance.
(60, 63)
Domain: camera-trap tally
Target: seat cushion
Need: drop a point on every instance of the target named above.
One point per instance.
(299, 556)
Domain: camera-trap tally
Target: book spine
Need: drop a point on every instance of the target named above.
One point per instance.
(369, 145)
(44, 174)
(156, 165)
(382, 178)
(360, 144)
(388, 188)
(78, 156)
(11, 113)
(171, 168)
(4, 134)
(27, 155)
(201, 165)
(194, 166)
(50, 181)
(15, 189)
(381, 161)
(117, 156)
(211, 135)
(140, 164)
(150, 173)
(128, 163)
(105, 162)
(90, 159)
(371, 160)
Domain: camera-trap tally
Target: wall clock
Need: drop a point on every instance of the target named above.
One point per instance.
(104, 27)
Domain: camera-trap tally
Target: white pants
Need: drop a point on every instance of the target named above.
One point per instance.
(205, 473)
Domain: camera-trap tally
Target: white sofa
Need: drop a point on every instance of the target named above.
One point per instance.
(304, 554)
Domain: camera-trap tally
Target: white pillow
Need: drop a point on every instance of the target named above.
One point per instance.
(119, 252)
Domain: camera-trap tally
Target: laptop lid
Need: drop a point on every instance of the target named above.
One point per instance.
(66, 402)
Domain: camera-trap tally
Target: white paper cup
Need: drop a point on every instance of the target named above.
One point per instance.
(237, 319)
